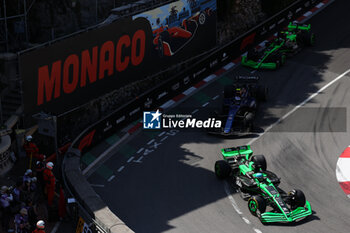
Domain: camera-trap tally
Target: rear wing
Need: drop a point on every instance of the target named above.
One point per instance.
(239, 150)
(247, 79)
(294, 26)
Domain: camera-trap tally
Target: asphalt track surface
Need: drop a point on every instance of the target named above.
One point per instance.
(172, 188)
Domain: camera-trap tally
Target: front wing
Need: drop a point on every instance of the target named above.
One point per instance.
(300, 212)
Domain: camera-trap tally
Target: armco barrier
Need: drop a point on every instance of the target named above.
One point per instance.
(131, 111)
(77, 186)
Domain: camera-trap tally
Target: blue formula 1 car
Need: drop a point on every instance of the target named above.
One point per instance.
(239, 107)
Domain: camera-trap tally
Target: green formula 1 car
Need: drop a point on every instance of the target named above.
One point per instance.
(260, 186)
(287, 43)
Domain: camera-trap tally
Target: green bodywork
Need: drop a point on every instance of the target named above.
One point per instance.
(266, 188)
(277, 46)
(274, 47)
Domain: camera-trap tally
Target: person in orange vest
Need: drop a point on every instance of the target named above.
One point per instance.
(39, 169)
(50, 182)
(40, 227)
(31, 148)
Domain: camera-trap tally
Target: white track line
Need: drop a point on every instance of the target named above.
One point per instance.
(55, 228)
(130, 159)
(121, 169)
(111, 178)
(233, 202)
(300, 105)
(140, 150)
(104, 154)
(237, 209)
(246, 220)
(150, 142)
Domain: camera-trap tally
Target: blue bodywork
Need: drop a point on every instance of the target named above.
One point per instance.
(234, 107)
(230, 118)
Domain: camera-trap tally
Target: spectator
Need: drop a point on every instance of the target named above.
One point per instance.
(39, 169)
(27, 176)
(21, 221)
(32, 216)
(30, 147)
(17, 192)
(6, 199)
(33, 184)
(40, 227)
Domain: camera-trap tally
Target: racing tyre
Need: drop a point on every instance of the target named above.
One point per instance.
(278, 63)
(297, 198)
(222, 169)
(283, 59)
(259, 162)
(229, 91)
(309, 38)
(256, 205)
(248, 120)
(262, 93)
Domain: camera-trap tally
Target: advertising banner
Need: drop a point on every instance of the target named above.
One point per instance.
(71, 72)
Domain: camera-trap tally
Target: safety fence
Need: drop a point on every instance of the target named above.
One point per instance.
(84, 195)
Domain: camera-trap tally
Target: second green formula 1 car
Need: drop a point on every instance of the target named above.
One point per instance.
(260, 186)
(275, 53)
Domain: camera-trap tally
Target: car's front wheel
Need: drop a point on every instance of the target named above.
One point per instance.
(297, 198)
(256, 205)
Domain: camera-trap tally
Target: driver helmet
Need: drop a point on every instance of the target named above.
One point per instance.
(238, 91)
(259, 176)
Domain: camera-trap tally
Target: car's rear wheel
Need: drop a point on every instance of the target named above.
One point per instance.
(309, 38)
(256, 205)
(283, 59)
(297, 198)
(261, 93)
(248, 121)
(259, 162)
(278, 63)
(222, 169)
